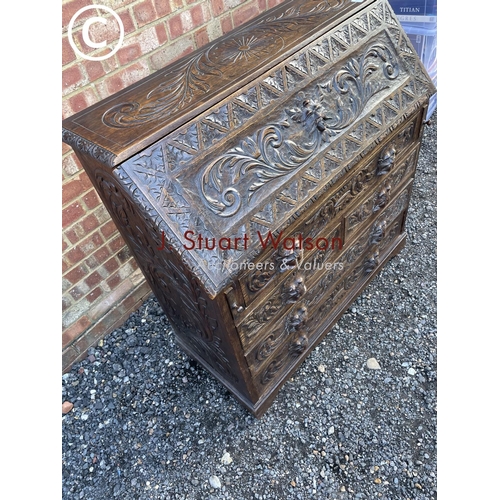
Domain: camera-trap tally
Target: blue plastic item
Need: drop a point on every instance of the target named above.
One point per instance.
(419, 20)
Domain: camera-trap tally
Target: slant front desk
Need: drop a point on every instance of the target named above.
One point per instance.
(262, 181)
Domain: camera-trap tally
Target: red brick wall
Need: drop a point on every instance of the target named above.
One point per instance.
(102, 284)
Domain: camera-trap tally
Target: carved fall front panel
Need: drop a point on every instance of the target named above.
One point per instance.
(317, 126)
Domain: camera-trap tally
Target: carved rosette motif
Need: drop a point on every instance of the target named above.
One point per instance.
(219, 62)
(281, 148)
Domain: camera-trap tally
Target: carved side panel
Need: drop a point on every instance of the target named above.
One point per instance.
(192, 314)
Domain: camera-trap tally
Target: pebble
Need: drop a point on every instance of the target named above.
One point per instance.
(322, 368)
(373, 364)
(67, 407)
(411, 371)
(331, 430)
(215, 482)
(226, 459)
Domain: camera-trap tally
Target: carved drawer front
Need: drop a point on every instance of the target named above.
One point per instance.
(318, 273)
(291, 286)
(296, 246)
(392, 174)
(280, 351)
(333, 300)
(260, 342)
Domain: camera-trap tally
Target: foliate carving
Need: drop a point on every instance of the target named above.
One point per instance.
(189, 80)
(273, 368)
(260, 317)
(378, 235)
(386, 160)
(337, 294)
(80, 144)
(280, 148)
(267, 155)
(293, 289)
(218, 63)
(324, 298)
(259, 279)
(343, 197)
(172, 283)
(294, 343)
(371, 206)
(294, 322)
(269, 344)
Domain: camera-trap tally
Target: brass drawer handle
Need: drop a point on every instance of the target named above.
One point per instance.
(386, 160)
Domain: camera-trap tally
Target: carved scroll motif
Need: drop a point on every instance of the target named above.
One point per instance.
(281, 148)
(220, 62)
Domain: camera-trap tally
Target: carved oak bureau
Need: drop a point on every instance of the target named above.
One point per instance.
(262, 181)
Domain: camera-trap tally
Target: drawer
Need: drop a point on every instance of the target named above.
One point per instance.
(294, 346)
(297, 321)
(387, 164)
(291, 289)
(371, 261)
(392, 177)
(316, 273)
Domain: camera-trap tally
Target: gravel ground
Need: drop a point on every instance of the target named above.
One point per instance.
(148, 423)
